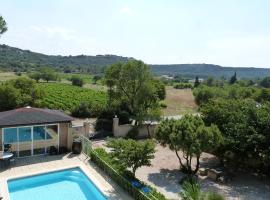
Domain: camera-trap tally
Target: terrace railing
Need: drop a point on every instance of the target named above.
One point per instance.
(86, 145)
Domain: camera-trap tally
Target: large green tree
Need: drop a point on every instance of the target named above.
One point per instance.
(131, 153)
(19, 92)
(190, 135)
(245, 128)
(132, 84)
(3, 25)
(48, 74)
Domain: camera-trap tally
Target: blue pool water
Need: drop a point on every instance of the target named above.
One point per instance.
(71, 184)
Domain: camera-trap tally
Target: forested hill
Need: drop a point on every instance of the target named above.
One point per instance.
(15, 59)
(12, 58)
(205, 70)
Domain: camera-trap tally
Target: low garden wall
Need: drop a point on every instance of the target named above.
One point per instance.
(122, 130)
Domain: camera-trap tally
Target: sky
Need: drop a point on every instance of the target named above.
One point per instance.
(224, 32)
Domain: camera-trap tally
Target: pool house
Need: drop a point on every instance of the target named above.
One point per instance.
(34, 131)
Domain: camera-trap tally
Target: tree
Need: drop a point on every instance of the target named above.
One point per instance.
(82, 110)
(96, 78)
(35, 76)
(197, 82)
(160, 89)
(8, 97)
(191, 136)
(233, 78)
(19, 92)
(3, 25)
(131, 153)
(265, 82)
(210, 81)
(131, 84)
(29, 93)
(48, 74)
(245, 128)
(77, 81)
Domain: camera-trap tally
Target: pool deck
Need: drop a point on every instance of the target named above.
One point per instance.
(42, 164)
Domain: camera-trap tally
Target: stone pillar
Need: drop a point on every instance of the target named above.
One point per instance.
(115, 125)
(86, 125)
(69, 137)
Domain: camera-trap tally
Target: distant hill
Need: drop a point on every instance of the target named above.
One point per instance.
(15, 59)
(205, 70)
(12, 58)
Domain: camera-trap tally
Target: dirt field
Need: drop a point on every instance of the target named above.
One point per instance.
(179, 101)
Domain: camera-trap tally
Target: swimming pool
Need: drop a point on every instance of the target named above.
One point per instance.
(70, 184)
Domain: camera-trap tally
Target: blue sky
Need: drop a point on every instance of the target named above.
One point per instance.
(224, 32)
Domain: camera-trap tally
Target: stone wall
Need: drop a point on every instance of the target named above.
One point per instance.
(122, 130)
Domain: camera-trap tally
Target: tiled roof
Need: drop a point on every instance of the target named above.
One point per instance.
(28, 116)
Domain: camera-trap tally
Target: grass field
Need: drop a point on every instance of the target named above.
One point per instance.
(179, 101)
(5, 76)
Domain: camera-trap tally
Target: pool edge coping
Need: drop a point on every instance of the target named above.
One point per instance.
(4, 187)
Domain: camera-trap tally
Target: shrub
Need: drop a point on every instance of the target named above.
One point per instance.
(214, 196)
(81, 111)
(77, 81)
(183, 86)
(162, 104)
(192, 191)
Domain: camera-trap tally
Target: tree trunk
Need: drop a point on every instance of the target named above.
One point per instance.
(134, 170)
(197, 164)
(180, 161)
(148, 131)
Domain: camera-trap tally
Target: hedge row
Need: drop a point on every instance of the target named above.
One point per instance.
(136, 193)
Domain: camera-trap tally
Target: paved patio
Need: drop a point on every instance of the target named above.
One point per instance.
(41, 164)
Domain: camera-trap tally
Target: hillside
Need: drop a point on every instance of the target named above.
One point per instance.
(12, 58)
(205, 70)
(15, 59)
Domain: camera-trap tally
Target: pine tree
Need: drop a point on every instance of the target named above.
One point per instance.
(197, 82)
(233, 79)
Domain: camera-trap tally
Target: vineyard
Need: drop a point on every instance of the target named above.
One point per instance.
(65, 97)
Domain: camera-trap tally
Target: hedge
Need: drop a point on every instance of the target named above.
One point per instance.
(136, 193)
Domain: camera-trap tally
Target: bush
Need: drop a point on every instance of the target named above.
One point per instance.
(81, 111)
(214, 196)
(162, 104)
(77, 81)
(192, 191)
(183, 86)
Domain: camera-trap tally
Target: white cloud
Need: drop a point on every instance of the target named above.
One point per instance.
(127, 11)
(55, 31)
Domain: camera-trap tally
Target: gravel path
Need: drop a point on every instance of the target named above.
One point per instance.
(164, 175)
